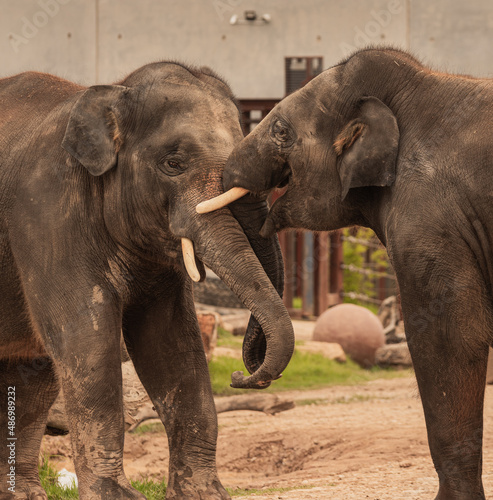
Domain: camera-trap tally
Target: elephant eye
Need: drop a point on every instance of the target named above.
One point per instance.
(174, 164)
(281, 131)
(172, 167)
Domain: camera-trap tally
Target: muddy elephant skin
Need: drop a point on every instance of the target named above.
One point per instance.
(98, 186)
(382, 141)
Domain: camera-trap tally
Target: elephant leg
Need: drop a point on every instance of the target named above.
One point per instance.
(164, 342)
(448, 327)
(84, 342)
(28, 388)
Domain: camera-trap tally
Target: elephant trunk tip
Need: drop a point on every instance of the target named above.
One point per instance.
(239, 381)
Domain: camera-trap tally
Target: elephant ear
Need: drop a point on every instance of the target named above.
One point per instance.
(93, 133)
(367, 147)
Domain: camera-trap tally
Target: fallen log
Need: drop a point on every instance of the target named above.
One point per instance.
(267, 403)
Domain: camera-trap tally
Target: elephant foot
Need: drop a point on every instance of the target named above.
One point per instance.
(460, 496)
(110, 489)
(28, 491)
(185, 490)
(466, 493)
(37, 494)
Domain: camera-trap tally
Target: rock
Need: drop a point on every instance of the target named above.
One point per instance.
(389, 316)
(208, 323)
(329, 350)
(134, 394)
(57, 424)
(214, 292)
(394, 355)
(233, 320)
(356, 329)
(236, 323)
(396, 336)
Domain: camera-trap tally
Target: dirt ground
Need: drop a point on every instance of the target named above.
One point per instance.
(359, 442)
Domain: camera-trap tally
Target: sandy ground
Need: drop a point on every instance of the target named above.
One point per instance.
(359, 442)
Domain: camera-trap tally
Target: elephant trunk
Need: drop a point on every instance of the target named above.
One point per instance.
(251, 212)
(230, 256)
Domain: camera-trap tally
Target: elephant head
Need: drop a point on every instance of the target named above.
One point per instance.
(159, 140)
(330, 145)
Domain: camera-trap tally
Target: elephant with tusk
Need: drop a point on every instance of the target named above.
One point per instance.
(98, 229)
(381, 140)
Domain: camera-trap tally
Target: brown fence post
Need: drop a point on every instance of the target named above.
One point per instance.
(285, 238)
(336, 273)
(321, 271)
(307, 272)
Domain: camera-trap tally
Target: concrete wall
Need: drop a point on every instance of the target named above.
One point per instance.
(454, 35)
(49, 35)
(99, 41)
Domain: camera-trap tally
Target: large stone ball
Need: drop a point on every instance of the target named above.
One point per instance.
(355, 328)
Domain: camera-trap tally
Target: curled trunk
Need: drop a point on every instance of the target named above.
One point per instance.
(251, 212)
(270, 342)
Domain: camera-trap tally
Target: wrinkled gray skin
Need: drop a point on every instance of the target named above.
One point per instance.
(384, 142)
(97, 186)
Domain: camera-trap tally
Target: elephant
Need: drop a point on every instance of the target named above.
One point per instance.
(382, 141)
(98, 187)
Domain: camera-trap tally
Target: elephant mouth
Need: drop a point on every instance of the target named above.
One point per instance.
(285, 177)
(281, 188)
(236, 193)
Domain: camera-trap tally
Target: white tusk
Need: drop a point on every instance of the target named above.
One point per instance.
(189, 259)
(221, 201)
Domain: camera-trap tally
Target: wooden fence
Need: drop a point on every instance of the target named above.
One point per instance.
(315, 270)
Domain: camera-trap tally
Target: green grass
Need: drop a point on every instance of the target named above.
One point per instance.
(227, 339)
(157, 428)
(48, 476)
(297, 302)
(153, 490)
(305, 371)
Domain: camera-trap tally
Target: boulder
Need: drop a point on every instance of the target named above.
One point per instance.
(236, 324)
(329, 350)
(389, 315)
(214, 292)
(355, 328)
(395, 355)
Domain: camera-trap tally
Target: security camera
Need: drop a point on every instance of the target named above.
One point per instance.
(234, 19)
(267, 18)
(250, 15)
